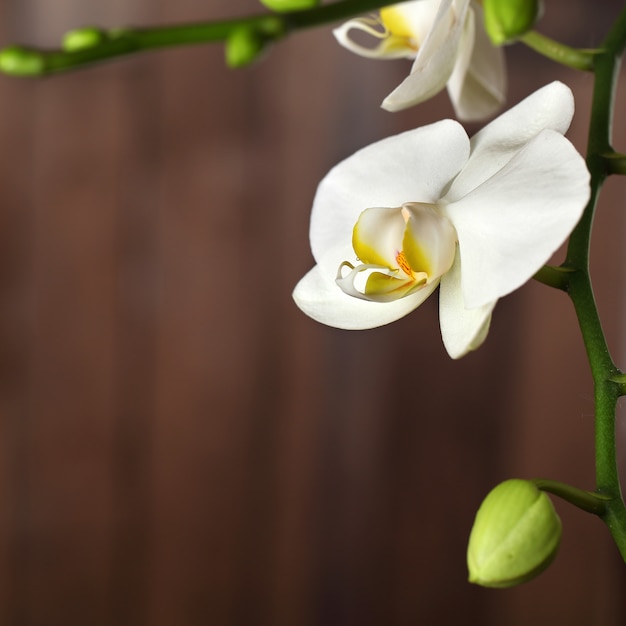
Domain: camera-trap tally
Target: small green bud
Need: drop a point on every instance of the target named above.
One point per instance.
(506, 20)
(516, 535)
(19, 61)
(282, 6)
(82, 38)
(243, 46)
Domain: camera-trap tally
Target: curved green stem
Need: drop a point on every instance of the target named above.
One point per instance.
(556, 277)
(571, 57)
(604, 371)
(109, 44)
(586, 500)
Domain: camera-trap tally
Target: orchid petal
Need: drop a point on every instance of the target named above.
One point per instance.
(477, 85)
(435, 59)
(413, 166)
(463, 58)
(411, 19)
(550, 107)
(462, 329)
(509, 226)
(377, 236)
(320, 298)
(429, 242)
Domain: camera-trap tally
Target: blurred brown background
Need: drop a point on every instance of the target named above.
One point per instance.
(179, 445)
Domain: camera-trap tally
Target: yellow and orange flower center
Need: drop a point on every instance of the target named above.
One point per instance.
(401, 250)
(403, 264)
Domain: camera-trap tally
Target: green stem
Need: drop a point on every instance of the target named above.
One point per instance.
(556, 277)
(571, 57)
(620, 380)
(615, 163)
(585, 500)
(604, 371)
(27, 61)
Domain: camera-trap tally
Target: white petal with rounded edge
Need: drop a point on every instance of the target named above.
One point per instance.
(551, 107)
(462, 330)
(320, 298)
(477, 86)
(435, 59)
(414, 166)
(510, 226)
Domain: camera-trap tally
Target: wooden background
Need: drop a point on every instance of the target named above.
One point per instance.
(179, 445)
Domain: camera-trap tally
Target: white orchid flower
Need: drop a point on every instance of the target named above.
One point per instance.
(449, 45)
(477, 217)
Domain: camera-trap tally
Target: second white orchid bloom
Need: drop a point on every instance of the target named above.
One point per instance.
(477, 217)
(449, 45)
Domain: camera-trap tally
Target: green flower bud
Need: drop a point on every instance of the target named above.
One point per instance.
(289, 5)
(19, 61)
(243, 46)
(516, 535)
(506, 20)
(82, 38)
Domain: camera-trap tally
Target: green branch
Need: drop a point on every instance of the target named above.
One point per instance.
(606, 376)
(91, 45)
(252, 34)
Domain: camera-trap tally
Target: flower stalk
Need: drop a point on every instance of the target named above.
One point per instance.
(606, 375)
(565, 55)
(586, 500)
(615, 163)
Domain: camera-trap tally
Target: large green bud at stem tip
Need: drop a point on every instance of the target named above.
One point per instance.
(516, 535)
